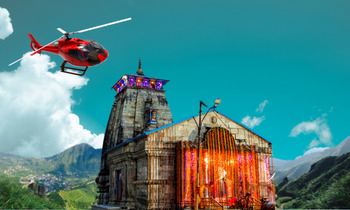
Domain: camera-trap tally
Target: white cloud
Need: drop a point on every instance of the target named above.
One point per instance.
(35, 110)
(314, 143)
(319, 127)
(262, 106)
(252, 122)
(5, 23)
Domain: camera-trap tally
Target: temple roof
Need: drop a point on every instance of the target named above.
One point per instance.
(174, 123)
(139, 81)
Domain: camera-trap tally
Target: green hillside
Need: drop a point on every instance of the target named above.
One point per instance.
(82, 160)
(14, 196)
(57, 199)
(325, 186)
(18, 166)
(81, 197)
(70, 169)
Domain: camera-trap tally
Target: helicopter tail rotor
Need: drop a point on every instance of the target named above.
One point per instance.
(33, 43)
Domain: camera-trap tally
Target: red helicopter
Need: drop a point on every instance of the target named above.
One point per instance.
(77, 52)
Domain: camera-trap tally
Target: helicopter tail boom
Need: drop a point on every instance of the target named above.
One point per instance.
(38, 47)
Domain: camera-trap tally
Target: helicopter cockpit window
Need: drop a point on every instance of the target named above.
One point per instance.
(77, 54)
(91, 52)
(95, 46)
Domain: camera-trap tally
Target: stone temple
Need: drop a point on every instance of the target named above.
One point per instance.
(150, 162)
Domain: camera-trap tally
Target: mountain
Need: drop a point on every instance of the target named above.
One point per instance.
(295, 168)
(80, 159)
(325, 186)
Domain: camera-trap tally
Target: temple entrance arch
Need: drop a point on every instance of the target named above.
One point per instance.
(219, 169)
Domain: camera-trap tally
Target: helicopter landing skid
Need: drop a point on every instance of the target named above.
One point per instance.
(75, 70)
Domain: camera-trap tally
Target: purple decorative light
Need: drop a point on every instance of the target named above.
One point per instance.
(144, 82)
(267, 169)
(131, 81)
(159, 84)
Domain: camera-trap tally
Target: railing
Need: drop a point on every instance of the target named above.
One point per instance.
(210, 202)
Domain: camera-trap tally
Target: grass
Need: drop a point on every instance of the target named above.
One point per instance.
(81, 197)
(57, 198)
(14, 196)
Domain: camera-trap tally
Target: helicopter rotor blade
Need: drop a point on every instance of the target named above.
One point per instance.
(62, 31)
(100, 26)
(16, 61)
(34, 51)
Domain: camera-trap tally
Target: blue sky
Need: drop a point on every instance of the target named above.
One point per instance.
(290, 57)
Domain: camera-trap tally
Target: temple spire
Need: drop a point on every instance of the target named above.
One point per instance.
(139, 71)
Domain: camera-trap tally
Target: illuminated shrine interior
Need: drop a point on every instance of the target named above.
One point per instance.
(226, 170)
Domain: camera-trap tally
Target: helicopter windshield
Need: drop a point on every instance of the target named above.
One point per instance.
(77, 54)
(91, 52)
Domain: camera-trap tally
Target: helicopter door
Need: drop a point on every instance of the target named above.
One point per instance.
(76, 54)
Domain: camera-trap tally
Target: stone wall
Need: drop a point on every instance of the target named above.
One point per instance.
(131, 104)
(126, 121)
